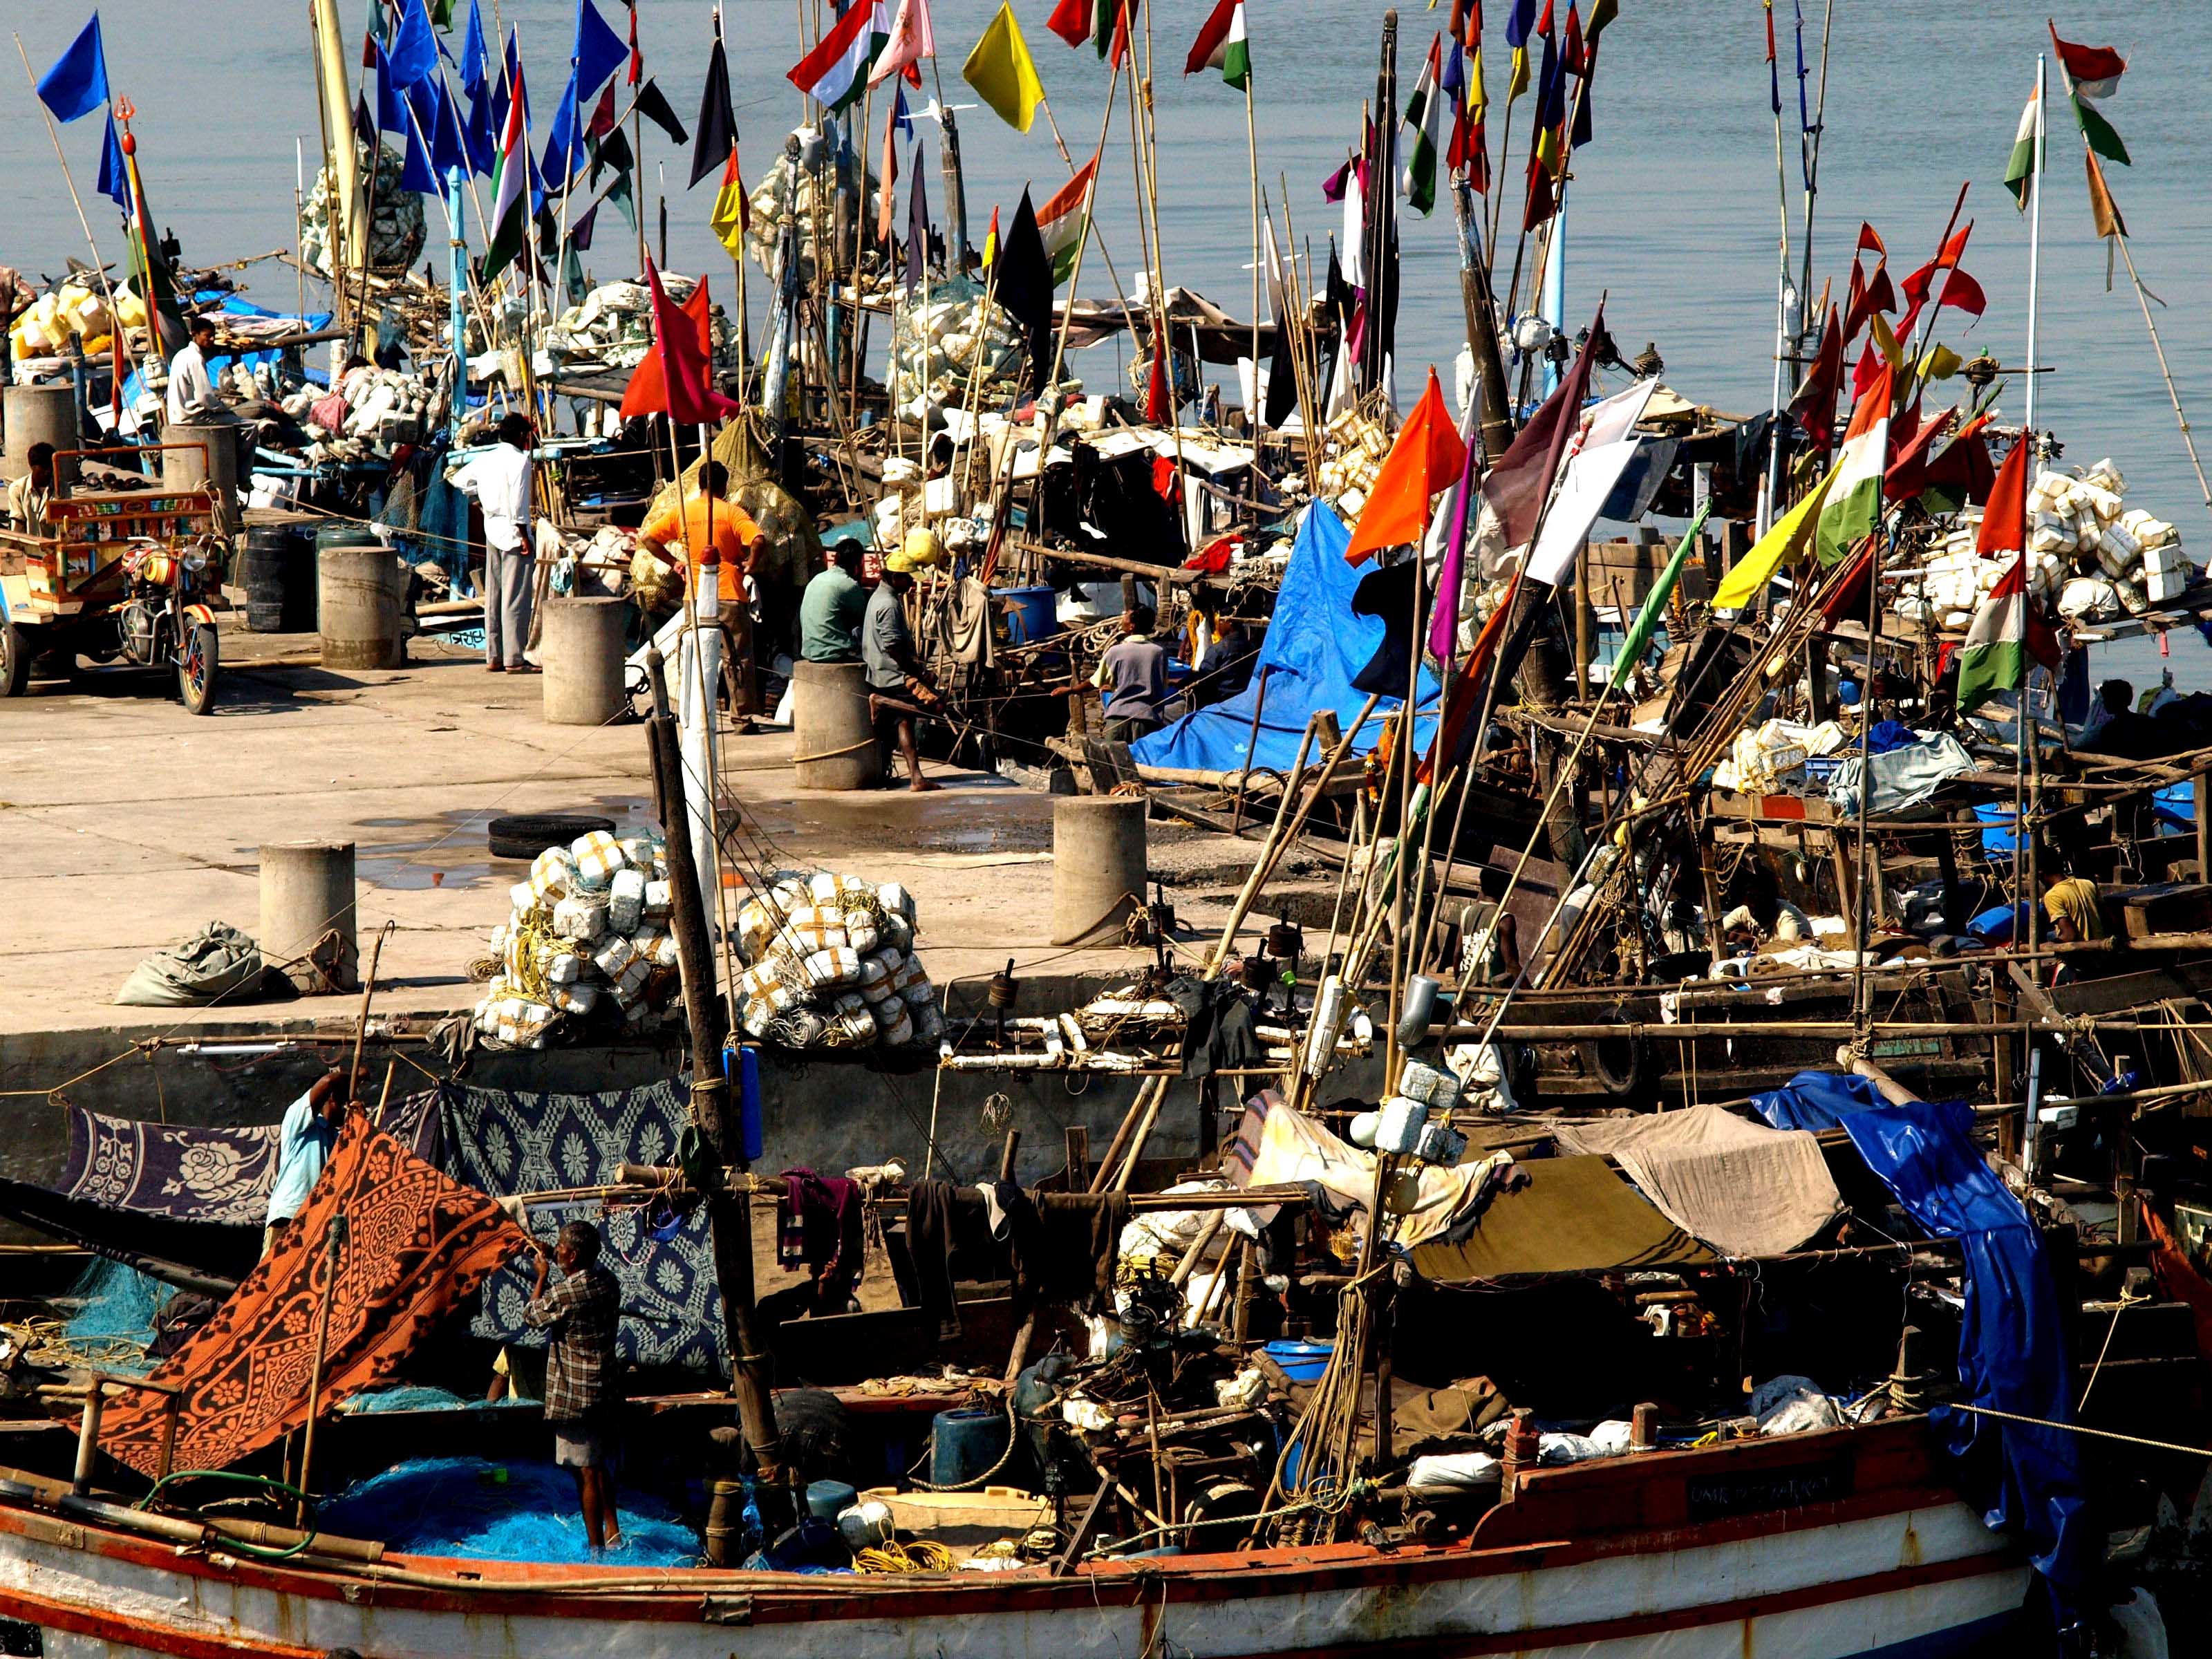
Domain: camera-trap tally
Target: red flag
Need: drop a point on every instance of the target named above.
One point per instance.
(2088, 64)
(1877, 295)
(1870, 241)
(602, 117)
(1427, 458)
(648, 392)
(1906, 475)
(1814, 403)
(1156, 406)
(1960, 291)
(2004, 520)
(636, 58)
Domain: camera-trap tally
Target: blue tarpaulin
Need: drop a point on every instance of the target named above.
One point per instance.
(1315, 645)
(2012, 1349)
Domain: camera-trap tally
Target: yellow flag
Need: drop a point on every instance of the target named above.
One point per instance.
(1756, 568)
(1516, 79)
(1000, 70)
(1886, 343)
(1478, 97)
(728, 220)
(1939, 362)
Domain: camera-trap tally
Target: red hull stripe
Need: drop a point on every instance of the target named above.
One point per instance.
(78, 1621)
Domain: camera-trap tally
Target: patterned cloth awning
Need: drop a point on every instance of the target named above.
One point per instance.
(508, 1142)
(415, 1247)
(203, 1175)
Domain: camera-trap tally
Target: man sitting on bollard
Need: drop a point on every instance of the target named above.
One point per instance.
(899, 687)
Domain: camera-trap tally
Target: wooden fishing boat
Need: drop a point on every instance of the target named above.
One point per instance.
(1836, 1544)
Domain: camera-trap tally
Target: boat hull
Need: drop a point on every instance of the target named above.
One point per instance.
(1840, 1581)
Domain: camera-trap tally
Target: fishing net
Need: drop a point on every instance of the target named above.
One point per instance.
(105, 1319)
(484, 1511)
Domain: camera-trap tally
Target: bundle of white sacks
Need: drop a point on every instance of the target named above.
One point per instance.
(830, 963)
(2086, 552)
(591, 921)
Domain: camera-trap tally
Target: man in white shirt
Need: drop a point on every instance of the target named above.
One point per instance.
(499, 481)
(193, 400)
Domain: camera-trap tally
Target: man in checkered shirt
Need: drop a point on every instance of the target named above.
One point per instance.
(581, 1314)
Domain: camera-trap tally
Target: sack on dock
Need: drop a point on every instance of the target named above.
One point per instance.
(552, 874)
(659, 897)
(626, 901)
(598, 857)
(193, 972)
(581, 917)
(833, 968)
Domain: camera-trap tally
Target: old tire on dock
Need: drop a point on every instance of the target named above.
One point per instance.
(525, 834)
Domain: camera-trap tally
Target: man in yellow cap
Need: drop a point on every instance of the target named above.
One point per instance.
(896, 679)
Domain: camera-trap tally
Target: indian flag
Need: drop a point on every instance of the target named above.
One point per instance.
(2006, 636)
(1423, 114)
(1221, 44)
(1064, 218)
(1854, 504)
(2020, 170)
(835, 73)
(510, 197)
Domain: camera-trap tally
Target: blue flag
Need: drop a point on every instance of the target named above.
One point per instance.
(418, 175)
(1519, 21)
(114, 176)
(390, 94)
(77, 83)
(414, 46)
(598, 51)
(448, 152)
(565, 145)
(476, 132)
(476, 58)
(900, 118)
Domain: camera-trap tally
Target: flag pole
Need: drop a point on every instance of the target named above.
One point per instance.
(1257, 414)
(1812, 151)
(1089, 230)
(54, 133)
(2035, 250)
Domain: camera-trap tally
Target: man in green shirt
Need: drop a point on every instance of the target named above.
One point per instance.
(830, 610)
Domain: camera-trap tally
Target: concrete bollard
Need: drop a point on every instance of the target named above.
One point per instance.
(209, 457)
(41, 414)
(357, 608)
(307, 893)
(580, 652)
(1098, 866)
(832, 740)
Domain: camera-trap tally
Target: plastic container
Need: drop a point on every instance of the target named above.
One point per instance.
(830, 1498)
(965, 1444)
(1302, 1362)
(1031, 614)
(1996, 843)
(749, 1102)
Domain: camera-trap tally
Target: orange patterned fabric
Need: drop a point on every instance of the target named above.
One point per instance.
(417, 1246)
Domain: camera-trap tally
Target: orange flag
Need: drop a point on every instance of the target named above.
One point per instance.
(648, 392)
(1426, 457)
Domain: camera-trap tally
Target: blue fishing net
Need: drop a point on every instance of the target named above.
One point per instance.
(484, 1511)
(107, 1316)
(421, 1397)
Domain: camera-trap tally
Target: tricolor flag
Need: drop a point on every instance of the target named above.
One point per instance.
(2091, 74)
(1221, 44)
(2027, 147)
(1854, 503)
(2006, 636)
(1096, 23)
(2008, 631)
(1423, 114)
(1064, 218)
(510, 197)
(835, 73)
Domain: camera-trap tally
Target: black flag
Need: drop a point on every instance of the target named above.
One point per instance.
(718, 128)
(655, 107)
(1282, 376)
(1023, 276)
(917, 229)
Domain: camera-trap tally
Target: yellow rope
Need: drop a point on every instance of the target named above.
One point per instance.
(922, 1555)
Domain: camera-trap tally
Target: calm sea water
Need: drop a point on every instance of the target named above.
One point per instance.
(1673, 217)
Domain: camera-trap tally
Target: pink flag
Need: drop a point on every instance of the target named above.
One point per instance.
(911, 40)
(686, 375)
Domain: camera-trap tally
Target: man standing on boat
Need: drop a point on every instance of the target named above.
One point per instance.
(304, 1140)
(581, 1315)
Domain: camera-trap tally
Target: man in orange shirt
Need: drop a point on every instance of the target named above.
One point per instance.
(708, 519)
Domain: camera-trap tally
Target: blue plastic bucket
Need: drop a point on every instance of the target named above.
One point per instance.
(1031, 614)
(1302, 1362)
(1997, 843)
(964, 1444)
